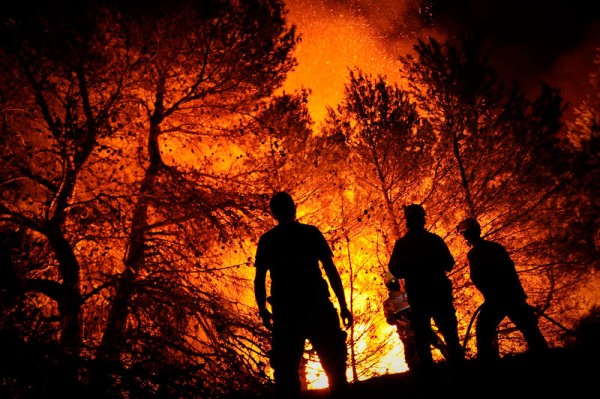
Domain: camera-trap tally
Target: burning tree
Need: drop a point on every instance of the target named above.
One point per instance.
(497, 150)
(123, 137)
(140, 143)
(584, 137)
(463, 144)
(377, 133)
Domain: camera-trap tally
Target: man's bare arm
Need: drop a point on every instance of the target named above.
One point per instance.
(260, 294)
(338, 289)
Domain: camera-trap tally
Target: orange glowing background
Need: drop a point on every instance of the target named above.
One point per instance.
(369, 34)
(337, 35)
(335, 38)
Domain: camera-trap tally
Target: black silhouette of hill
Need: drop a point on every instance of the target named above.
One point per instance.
(562, 372)
(570, 372)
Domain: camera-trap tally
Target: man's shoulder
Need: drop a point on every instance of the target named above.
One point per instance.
(267, 233)
(486, 246)
(308, 229)
(433, 235)
(409, 238)
(305, 226)
(400, 241)
(296, 226)
(419, 233)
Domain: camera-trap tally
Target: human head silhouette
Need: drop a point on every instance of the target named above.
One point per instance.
(414, 214)
(470, 229)
(282, 207)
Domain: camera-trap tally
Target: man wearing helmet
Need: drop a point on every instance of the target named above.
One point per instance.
(422, 259)
(397, 313)
(493, 273)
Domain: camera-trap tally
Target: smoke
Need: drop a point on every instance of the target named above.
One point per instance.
(531, 41)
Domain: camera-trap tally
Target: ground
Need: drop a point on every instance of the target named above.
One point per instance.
(569, 373)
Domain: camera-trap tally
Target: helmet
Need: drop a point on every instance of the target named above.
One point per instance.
(413, 210)
(469, 225)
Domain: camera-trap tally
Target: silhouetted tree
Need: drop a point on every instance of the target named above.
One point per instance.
(498, 151)
(385, 149)
(120, 122)
(388, 144)
(583, 231)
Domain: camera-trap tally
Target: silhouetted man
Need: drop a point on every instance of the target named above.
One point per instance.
(397, 313)
(422, 259)
(300, 301)
(493, 273)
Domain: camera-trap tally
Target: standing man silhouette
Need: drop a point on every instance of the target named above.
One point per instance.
(300, 300)
(493, 273)
(397, 313)
(422, 259)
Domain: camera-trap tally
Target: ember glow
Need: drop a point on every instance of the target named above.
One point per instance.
(334, 38)
(370, 35)
(139, 147)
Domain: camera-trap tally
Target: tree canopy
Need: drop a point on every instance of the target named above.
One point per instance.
(141, 142)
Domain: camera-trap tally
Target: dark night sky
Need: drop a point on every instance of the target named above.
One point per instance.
(543, 29)
(530, 39)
